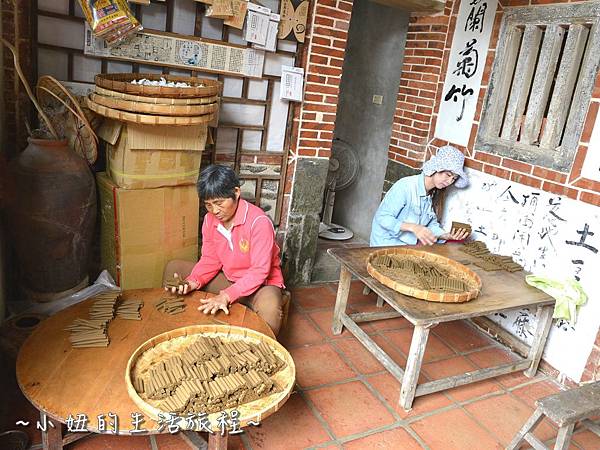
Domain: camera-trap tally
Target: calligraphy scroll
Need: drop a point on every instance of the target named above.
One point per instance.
(550, 235)
(465, 70)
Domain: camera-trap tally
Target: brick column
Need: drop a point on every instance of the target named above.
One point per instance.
(312, 134)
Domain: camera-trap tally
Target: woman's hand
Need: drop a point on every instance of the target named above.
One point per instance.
(213, 304)
(457, 234)
(183, 287)
(424, 235)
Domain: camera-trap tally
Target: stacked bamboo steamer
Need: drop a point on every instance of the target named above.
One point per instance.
(116, 97)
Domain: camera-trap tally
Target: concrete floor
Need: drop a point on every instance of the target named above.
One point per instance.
(345, 399)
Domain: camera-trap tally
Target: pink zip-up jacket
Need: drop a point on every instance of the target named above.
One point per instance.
(247, 253)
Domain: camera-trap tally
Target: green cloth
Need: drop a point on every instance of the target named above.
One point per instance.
(568, 294)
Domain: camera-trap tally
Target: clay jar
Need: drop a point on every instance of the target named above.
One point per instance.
(52, 213)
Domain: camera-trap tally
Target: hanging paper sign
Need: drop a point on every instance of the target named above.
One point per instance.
(271, 44)
(465, 70)
(220, 9)
(239, 14)
(292, 81)
(173, 50)
(257, 24)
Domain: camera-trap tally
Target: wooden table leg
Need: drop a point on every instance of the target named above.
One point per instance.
(51, 438)
(217, 442)
(544, 321)
(413, 366)
(564, 437)
(341, 300)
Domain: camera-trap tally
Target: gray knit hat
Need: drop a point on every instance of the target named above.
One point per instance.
(448, 158)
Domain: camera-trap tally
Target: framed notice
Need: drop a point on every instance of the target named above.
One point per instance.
(292, 82)
(465, 70)
(173, 50)
(257, 24)
(271, 44)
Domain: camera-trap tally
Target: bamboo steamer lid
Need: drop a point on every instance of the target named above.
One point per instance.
(173, 342)
(454, 268)
(156, 100)
(147, 119)
(121, 82)
(149, 108)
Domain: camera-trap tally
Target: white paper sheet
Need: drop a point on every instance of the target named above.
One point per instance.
(257, 24)
(292, 81)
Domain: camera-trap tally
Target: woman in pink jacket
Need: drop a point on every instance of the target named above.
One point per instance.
(240, 258)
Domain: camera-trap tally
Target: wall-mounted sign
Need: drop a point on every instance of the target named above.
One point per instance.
(168, 49)
(294, 14)
(257, 24)
(271, 44)
(292, 81)
(465, 70)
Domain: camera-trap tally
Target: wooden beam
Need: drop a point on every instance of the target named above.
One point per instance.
(521, 82)
(564, 86)
(542, 82)
(470, 377)
(415, 5)
(501, 335)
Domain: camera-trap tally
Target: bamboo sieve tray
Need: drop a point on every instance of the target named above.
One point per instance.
(121, 82)
(405, 284)
(172, 342)
(147, 119)
(150, 108)
(156, 100)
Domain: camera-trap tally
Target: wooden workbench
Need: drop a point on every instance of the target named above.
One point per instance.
(501, 291)
(61, 381)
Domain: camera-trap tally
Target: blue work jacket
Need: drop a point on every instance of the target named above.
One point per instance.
(406, 201)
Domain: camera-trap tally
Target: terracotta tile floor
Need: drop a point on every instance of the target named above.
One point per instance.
(345, 399)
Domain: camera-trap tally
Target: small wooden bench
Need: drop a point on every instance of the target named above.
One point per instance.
(565, 409)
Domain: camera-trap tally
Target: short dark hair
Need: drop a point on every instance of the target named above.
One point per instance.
(217, 182)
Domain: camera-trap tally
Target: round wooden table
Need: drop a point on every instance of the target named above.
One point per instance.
(61, 381)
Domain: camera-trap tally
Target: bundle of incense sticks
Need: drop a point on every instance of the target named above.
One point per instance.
(130, 309)
(88, 333)
(104, 306)
(175, 282)
(171, 305)
(209, 375)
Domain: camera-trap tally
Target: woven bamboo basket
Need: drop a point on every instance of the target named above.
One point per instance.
(147, 119)
(156, 100)
(121, 82)
(172, 342)
(404, 286)
(76, 127)
(149, 108)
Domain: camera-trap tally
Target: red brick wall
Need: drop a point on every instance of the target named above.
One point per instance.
(426, 58)
(322, 59)
(428, 46)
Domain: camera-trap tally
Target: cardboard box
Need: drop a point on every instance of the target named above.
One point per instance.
(142, 229)
(148, 156)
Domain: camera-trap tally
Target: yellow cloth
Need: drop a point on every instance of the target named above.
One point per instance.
(568, 294)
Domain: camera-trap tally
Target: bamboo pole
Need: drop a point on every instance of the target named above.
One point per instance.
(13, 50)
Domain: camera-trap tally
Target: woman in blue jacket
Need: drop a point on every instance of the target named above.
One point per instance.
(406, 215)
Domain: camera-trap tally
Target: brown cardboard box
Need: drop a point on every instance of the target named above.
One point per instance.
(148, 156)
(143, 229)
